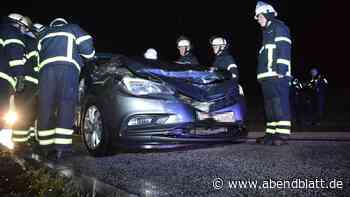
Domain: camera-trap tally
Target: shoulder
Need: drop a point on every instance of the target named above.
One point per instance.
(279, 26)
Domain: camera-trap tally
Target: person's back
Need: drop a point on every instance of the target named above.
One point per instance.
(61, 44)
(60, 50)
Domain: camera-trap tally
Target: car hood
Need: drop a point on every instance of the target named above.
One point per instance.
(192, 81)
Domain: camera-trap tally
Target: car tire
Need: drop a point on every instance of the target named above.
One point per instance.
(100, 144)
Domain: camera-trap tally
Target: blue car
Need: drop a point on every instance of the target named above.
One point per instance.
(134, 102)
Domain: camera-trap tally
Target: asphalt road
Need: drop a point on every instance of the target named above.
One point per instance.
(192, 171)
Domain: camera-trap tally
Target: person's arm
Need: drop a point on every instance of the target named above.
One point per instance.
(283, 44)
(84, 42)
(233, 68)
(14, 47)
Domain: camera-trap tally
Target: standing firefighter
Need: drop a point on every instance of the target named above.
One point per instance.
(61, 49)
(318, 88)
(274, 74)
(224, 60)
(185, 50)
(12, 61)
(26, 96)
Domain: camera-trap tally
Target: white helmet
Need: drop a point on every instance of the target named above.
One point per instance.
(151, 53)
(58, 22)
(218, 41)
(183, 42)
(18, 18)
(264, 8)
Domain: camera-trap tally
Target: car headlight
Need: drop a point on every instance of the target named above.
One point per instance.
(137, 86)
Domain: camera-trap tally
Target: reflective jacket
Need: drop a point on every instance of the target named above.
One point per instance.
(65, 44)
(275, 53)
(12, 53)
(225, 61)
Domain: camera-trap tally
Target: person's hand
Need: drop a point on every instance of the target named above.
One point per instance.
(19, 83)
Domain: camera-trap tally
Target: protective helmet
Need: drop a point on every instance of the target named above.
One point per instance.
(58, 22)
(217, 40)
(183, 41)
(151, 53)
(37, 27)
(220, 44)
(19, 19)
(264, 8)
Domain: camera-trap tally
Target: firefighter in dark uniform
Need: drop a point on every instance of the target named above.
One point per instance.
(26, 97)
(12, 61)
(61, 49)
(296, 88)
(185, 50)
(317, 89)
(225, 61)
(274, 75)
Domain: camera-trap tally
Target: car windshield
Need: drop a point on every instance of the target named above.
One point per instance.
(190, 73)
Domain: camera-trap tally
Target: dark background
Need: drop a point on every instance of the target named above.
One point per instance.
(319, 31)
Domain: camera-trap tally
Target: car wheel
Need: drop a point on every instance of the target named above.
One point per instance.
(95, 132)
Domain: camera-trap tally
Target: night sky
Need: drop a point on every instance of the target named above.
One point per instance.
(317, 29)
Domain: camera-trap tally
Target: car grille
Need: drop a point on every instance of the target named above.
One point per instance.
(211, 106)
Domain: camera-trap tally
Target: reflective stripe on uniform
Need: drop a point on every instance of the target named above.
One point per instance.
(63, 141)
(283, 61)
(1, 42)
(231, 66)
(261, 50)
(46, 142)
(64, 131)
(31, 79)
(267, 74)
(273, 124)
(32, 54)
(282, 38)
(20, 132)
(11, 80)
(234, 76)
(16, 139)
(14, 41)
(283, 131)
(89, 56)
(83, 38)
(43, 133)
(59, 58)
(268, 130)
(284, 123)
(17, 62)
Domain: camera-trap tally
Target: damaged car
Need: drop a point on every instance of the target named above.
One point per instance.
(135, 102)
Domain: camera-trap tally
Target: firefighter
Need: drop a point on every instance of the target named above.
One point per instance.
(274, 74)
(318, 88)
(26, 96)
(12, 61)
(296, 87)
(225, 61)
(61, 51)
(185, 50)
